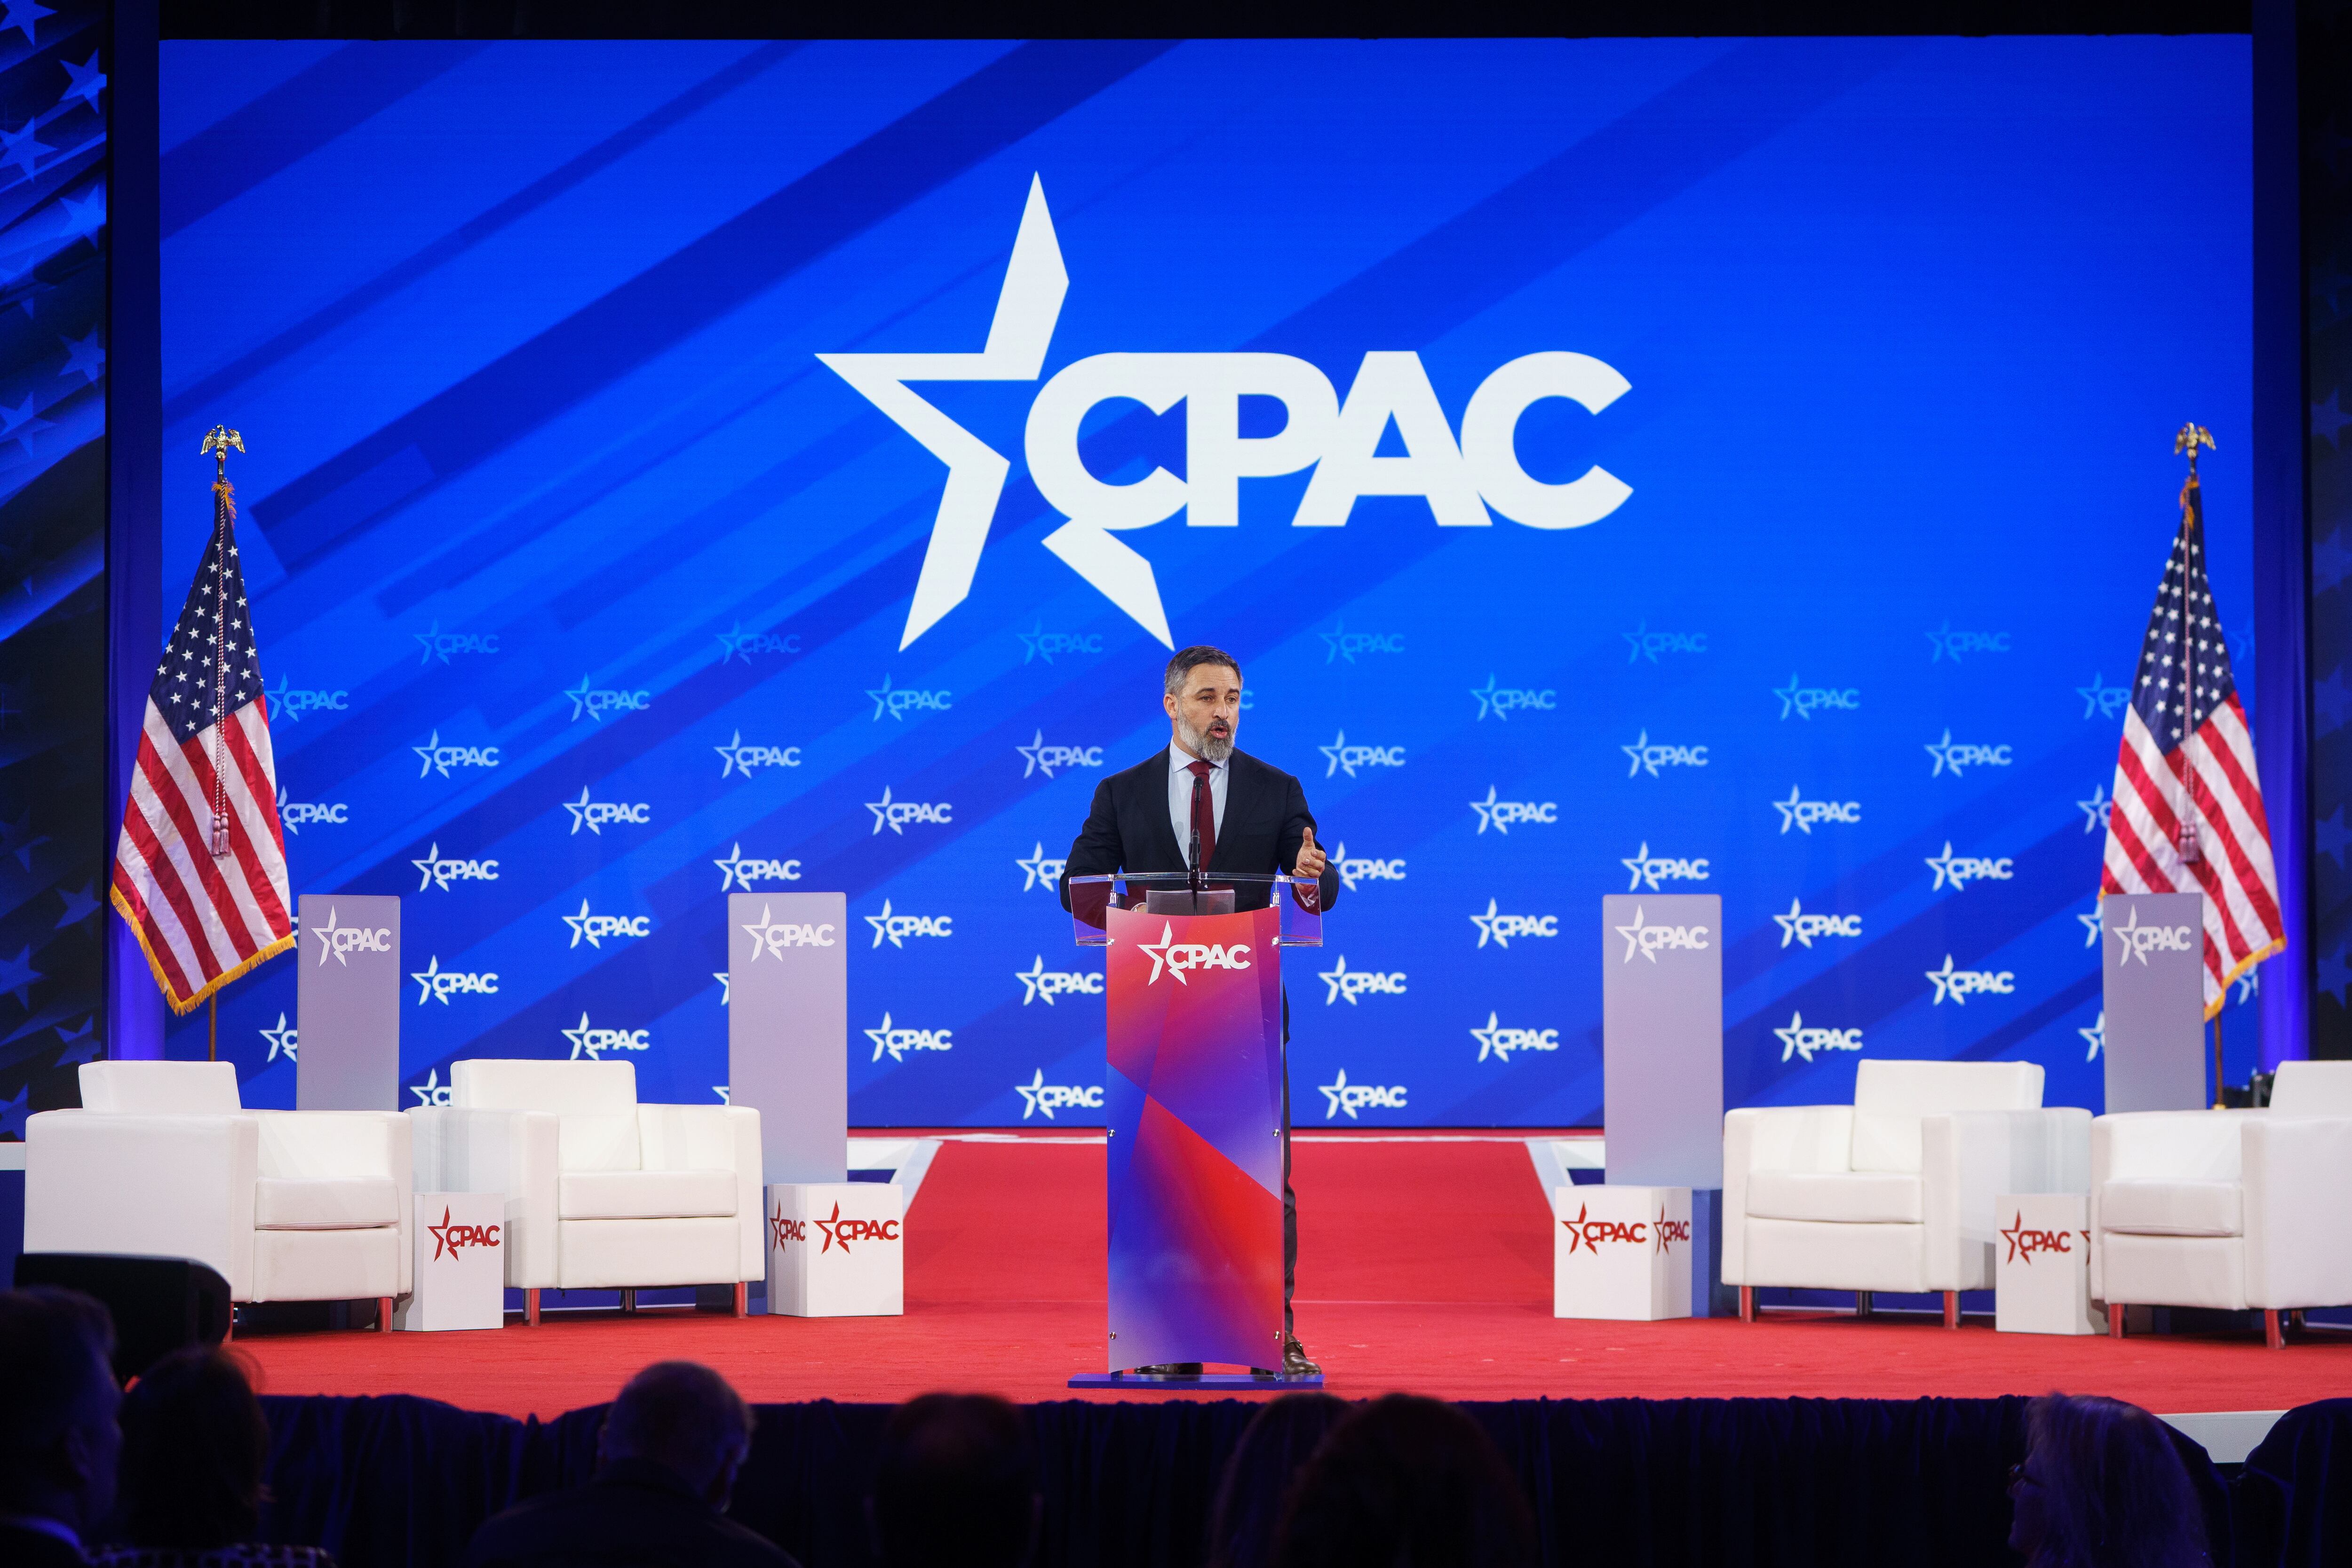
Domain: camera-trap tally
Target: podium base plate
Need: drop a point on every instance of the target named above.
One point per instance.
(1217, 1380)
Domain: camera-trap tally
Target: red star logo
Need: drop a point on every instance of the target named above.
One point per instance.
(776, 1227)
(1665, 1243)
(1576, 1233)
(828, 1226)
(2015, 1232)
(442, 1240)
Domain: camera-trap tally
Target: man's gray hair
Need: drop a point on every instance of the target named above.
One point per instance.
(1188, 659)
(681, 1414)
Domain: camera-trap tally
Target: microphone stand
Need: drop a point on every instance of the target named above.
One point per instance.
(1194, 871)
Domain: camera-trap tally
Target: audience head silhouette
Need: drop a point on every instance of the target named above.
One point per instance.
(58, 1439)
(956, 1486)
(195, 1447)
(2102, 1486)
(1406, 1482)
(1257, 1477)
(685, 1418)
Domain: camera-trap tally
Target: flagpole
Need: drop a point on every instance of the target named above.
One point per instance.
(212, 1029)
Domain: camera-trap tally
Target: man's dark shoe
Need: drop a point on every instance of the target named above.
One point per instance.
(1294, 1359)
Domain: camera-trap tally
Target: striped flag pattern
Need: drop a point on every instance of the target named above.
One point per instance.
(206, 780)
(2187, 814)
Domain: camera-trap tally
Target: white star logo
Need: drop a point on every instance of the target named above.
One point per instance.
(1485, 695)
(1942, 866)
(1633, 936)
(2094, 810)
(1158, 953)
(1489, 1040)
(425, 750)
(1336, 1091)
(326, 935)
(2090, 927)
(580, 701)
(1944, 978)
(2097, 1035)
(1486, 810)
(579, 924)
(424, 980)
(1032, 977)
(1337, 979)
(1033, 1096)
(283, 1040)
(1942, 752)
(432, 1091)
(1787, 810)
(881, 1039)
(881, 810)
(730, 869)
(1337, 752)
(1038, 869)
(1794, 1033)
(579, 1038)
(1035, 761)
(881, 924)
(1486, 925)
(2125, 951)
(1790, 927)
(721, 976)
(1788, 695)
(579, 810)
(761, 941)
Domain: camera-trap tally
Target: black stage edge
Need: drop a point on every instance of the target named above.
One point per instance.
(391, 1481)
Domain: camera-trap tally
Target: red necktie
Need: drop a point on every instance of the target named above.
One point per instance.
(1205, 813)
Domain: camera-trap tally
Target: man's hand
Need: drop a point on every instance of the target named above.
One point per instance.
(1310, 859)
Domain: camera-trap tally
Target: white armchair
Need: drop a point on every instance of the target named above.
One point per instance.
(164, 1160)
(1895, 1191)
(2229, 1209)
(602, 1192)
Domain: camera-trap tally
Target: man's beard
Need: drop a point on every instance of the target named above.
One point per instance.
(1210, 747)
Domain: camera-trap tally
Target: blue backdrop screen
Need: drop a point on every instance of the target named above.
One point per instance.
(1727, 466)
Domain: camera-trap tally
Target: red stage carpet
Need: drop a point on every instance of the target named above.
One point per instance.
(1422, 1266)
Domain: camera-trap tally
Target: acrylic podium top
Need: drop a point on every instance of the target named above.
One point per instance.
(1300, 899)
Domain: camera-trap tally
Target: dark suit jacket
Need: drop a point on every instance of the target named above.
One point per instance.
(634, 1514)
(1128, 829)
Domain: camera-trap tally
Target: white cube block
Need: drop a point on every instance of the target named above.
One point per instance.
(1622, 1252)
(2042, 1264)
(836, 1249)
(461, 1264)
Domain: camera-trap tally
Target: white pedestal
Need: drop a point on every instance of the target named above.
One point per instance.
(836, 1249)
(461, 1264)
(2042, 1264)
(1622, 1252)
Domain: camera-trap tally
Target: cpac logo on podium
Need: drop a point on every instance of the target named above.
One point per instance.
(898, 1042)
(594, 928)
(1649, 870)
(1176, 957)
(435, 982)
(1499, 814)
(2135, 942)
(436, 872)
(1956, 871)
(740, 871)
(1649, 940)
(1346, 985)
(1043, 1099)
(1344, 758)
(1959, 984)
(1040, 984)
(1351, 1098)
(1352, 871)
(772, 936)
(1496, 1041)
(589, 1041)
(593, 814)
(448, 1238)
(341, 941)
(1337, 438)
(294, 815)
(1800, 814)
(1500, 929)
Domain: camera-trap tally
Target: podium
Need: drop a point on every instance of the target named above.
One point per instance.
(1193, 1096)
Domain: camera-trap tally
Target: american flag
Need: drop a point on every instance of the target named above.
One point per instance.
(2188, 813)
(204, 760)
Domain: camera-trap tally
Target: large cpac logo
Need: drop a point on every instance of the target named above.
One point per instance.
(1337, 439)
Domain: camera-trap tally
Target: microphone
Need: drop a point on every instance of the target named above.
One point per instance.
(1195, 866)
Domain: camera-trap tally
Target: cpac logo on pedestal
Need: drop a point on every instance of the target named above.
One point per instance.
(1346, 985)
(895, 815)
(1958, 757)
(594, 928)
(1341, 757)
(589, 1041)
(1956, 871)
(1649, 758)
(1040, 757)
(1040, 984)
(1502, 701)
(1338, 439)
(593, 814)
(593, 703)
(436, 872)
(1649, 940)
(1040, 643)
(739, 758)
(1800, 814)
(1352, 871)
(292, 702)
(1499, 814)
(896, 929)
(1175, 957)
(772, 936)
(1345, 644)
(1649, 870)
(1797, 1040)
(1805, 701)
(296, 815)
(2135, 942)
(438, 758)
(1801, 928)
(1659, 1235)
(448, 1238)
(741, 871)
(784, 1230)
(899, 701)
(1351, 1098)
(737, 643)
(1946, 643)
(839, 1232)
(438, 644)
(436, 984)
(898, 1042)
(1959, 984)
(1500, 929)
(2023, 1243)
(1497, 1041)
(1042, 1099)
(1643, 643)
(1040, 871)
(341, 940)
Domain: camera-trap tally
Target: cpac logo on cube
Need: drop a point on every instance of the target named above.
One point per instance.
(1502, 701)
(436, 984)
(1501, 927)
(895, 815)
(1352, 871)
(897, 702)
(1172, 957)
(1040, 984)
(296, 815)
(1659, 1235)
(449, 1239)
(1805, 701)
(1956, 871)
(438, 758)
(1956, 757)
(1800, 814)
(739, 758)
(1649, 756)
(340, 942)
(737, 643)
(1797, 1040)
(898, 1042)
(1040, 871)
(1037, 757)
(1345, 644)
(589, 1041)
(1498, 1041)
(2135, 942)
(1945, 643)
(436, 872)
(741, 871)
(593, 815)
(1642, 643)
(1959, 984)
(1500, 814)
(1650, 940)
(1346, 985)
(1351, 1098)
(1649, 870)
(1040, 643)
(1337, 438)
(1801, 928)
(591, 703)
(2024, 1242)
(1044, 1099)
(772, 936)
(594, 928)
(896, 929)
(292, 702)
(1343, 758)
(839, 1232)
(782, 1229)
(438, 644)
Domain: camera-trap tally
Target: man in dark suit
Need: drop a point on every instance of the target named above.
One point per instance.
(60, 1441)
(1248, 818)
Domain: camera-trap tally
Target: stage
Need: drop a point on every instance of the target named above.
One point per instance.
(1425, 1265)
